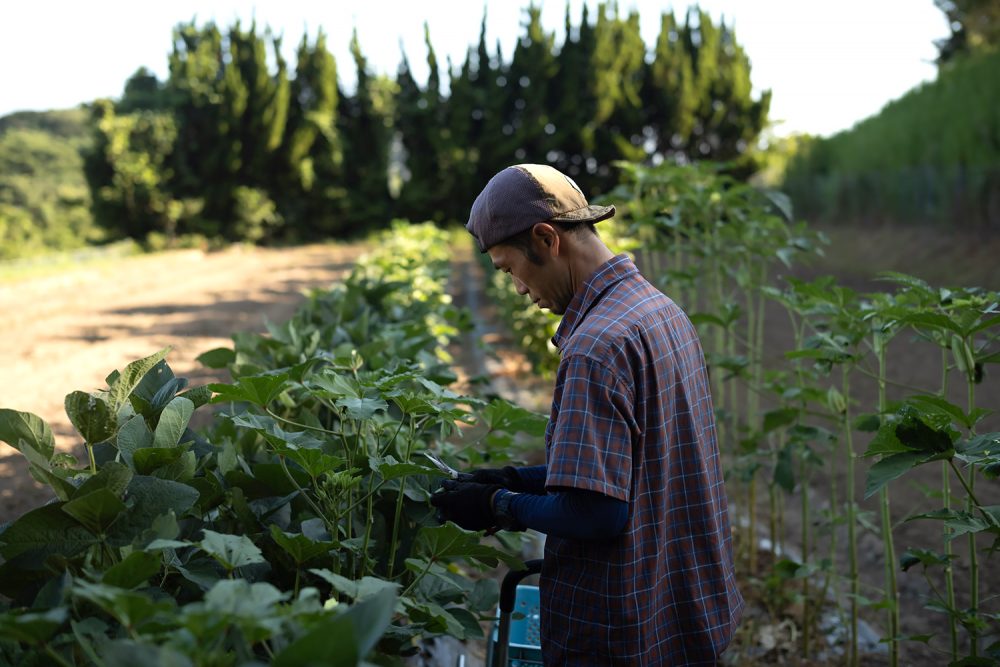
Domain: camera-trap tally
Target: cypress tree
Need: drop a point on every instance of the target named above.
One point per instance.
(362, 123)
(526, 96)
(311, 194)
(669, 91)
(573, 101)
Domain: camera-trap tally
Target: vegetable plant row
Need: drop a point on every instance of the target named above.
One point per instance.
(715, 246)
(294, 529)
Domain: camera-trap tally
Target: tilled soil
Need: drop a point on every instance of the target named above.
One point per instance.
(69, 331)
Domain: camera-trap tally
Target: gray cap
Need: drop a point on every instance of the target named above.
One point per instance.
(521, 196)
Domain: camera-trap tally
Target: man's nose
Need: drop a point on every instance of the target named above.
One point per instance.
(522, 289)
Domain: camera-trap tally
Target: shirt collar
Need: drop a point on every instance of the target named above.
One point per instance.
(610, 273)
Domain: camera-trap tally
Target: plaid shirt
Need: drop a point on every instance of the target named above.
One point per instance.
(632, 418)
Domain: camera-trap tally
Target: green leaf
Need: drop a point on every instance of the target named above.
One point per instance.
(199, 396)
(889, 468)
(389, 468)
(361, 408)
(923, 557)
(149, 459)
(356, 589)
(256, 389)
(129, 608)
(23, 430)
(450, 541)
(173, 420)
(133, 571)
(238, 597)
(122, 384)
(91, 416)
(44, 531)
(298, 546)
(959, 522)
(33, 628)
(147, 498)
(220, 357)
(133, 436)
(784, 470)
(113, 476)
(981, 445)
(867, 423)
(341, 640)
(274, 434)
(97, 510)
(232, 551)
(933, 321)
(931, 403)
(775, 419)
(502, 415)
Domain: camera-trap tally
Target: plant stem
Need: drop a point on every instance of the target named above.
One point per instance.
(971, 504)
(295, 423)
(312, 505)
(949, 571)
(852, 540)
(891, 592)
(93, 461)
(399, 505)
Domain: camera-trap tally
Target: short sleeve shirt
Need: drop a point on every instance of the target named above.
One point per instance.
(632, 418)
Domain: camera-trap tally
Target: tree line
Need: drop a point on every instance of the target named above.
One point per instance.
(239, 144)
(932, 156)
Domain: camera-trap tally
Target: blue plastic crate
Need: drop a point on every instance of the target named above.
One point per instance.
(525, 646)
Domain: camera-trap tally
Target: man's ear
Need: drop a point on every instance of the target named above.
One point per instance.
(548, 236)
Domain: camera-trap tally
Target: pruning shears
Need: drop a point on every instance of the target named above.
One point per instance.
(445, 468)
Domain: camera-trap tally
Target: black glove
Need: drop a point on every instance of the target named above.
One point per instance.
(466, 503)
(507, 477)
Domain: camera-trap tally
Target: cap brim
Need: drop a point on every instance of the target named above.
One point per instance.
(592, 213)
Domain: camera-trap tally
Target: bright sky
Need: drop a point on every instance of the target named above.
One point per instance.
(828, 64)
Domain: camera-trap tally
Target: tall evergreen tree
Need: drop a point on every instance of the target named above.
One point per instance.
(363, 122)
(526, 111)
(573, 101)
(310, 193)
(669, 91)
(420, 117)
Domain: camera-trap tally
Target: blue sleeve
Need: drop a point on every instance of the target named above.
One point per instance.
(573, 514)
(533, 478)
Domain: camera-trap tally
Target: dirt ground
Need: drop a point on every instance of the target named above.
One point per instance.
(68, 331)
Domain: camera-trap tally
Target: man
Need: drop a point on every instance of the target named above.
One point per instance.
(638, 557)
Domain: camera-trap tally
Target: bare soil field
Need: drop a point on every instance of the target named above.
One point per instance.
(68, 331)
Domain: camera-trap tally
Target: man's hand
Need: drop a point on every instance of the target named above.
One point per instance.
(507, 477)
(469, 504)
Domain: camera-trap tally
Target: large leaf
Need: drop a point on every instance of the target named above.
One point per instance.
(356, 589)
(91, 416)
(361, 408)
(220, 357)
(147, 498)
(23, 430)
(97, 510)
(44, 531)
(133, 571)
(33, 628)
(298, 546)
(113, 476)
(134, 435)
(122, 384)
(129, 608)
(341, 640)
(257, 389)
(451, 541)
(892, 466)
(232, 551)
(173, 420)
(502, 415)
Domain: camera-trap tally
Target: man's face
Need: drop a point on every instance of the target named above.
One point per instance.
(546, 283)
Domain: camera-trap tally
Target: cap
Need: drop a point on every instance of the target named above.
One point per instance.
(521, 196)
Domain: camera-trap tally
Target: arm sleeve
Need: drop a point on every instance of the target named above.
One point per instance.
(573, 514)
(590, 440)
(533, 478)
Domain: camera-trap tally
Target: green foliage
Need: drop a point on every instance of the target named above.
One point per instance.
(296, 528)
(44, 201)
(930, 156)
